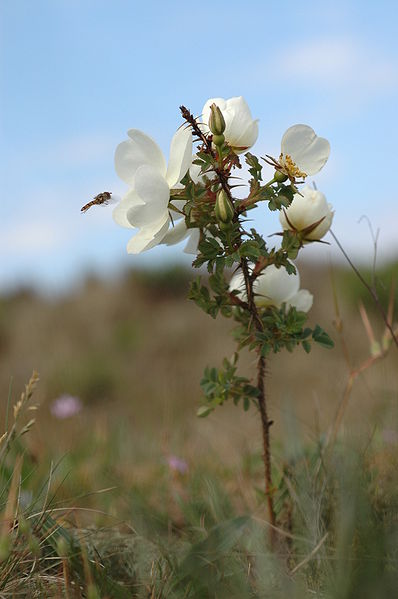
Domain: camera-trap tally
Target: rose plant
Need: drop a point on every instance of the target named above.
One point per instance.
(255, 285)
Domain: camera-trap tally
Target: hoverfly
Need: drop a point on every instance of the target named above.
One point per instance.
(102, 199)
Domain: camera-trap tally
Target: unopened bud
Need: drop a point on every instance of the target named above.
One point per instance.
(216, 121)
(224, 209)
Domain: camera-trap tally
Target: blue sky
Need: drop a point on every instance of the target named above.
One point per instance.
(76, 74)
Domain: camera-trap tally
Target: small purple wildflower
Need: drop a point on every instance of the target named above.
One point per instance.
(66, 406)
(176, 464)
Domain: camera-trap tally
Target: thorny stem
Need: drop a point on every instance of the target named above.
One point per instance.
(190, 119)
(208, 148)
(262, 404)
(223, 175)
(370, 289)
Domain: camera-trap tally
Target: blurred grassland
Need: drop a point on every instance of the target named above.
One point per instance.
(91, 504)
(134, 349)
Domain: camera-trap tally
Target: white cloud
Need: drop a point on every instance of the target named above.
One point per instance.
(342, 63)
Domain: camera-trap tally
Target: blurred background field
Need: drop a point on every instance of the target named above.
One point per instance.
(132, 352)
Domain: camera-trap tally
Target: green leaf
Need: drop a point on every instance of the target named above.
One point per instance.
(321, 337)
(255, 167)
(203, 411)
(250, 249)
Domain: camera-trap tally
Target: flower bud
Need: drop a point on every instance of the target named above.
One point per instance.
(216, 120)
(224, 209)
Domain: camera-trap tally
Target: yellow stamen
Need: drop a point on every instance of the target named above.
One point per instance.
(290, 168)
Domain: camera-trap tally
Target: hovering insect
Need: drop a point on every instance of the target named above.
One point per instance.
(102, 199)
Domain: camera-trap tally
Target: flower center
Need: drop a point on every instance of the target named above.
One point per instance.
(290, 168)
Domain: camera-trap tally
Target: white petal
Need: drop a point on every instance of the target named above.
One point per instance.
(152, 189)
(193, 242)
(275, 286)
(148, 237)
(248, 138)
(140, 149)
(238, 120)
(323, 227)
(237, 283)
(306, 149)
(180, 205)
(121, 210)
(180, 156)
(302, 300)
(176, 233)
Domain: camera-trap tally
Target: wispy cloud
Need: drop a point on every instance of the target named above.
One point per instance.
(339, 64)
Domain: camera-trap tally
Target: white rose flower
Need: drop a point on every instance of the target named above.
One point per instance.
(140, 163)
(307, 208)
(241, 131)
(303, 153)
(273, 287)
